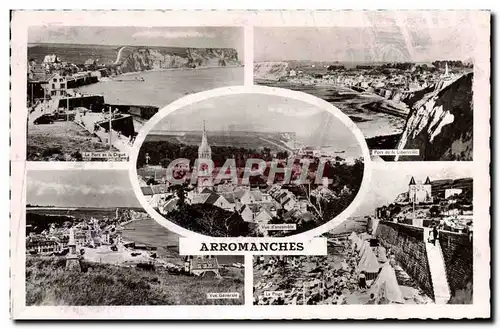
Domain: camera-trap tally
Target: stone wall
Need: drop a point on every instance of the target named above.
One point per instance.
(407, 244)
(457, 254)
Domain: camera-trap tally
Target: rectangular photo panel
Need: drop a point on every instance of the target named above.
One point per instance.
(89, 243)
(411, 97)
(82, 80)
(410, 242)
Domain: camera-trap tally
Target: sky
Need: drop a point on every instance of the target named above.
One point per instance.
(381, 38)
(80, 188)
(202, 37)
(263, 113)
(386, 184)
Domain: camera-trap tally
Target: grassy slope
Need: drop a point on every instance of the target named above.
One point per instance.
(60, 138)
(48, 283)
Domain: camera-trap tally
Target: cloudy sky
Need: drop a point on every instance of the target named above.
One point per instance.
(413, 37)
(388, 183)
(203, 37)
(78, 188)
(263, 113)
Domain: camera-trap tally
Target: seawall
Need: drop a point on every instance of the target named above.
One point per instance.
(458, 258)
(407, 244)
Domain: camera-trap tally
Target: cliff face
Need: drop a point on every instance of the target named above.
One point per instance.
(440, 123)
(270, 70)
(148, 59)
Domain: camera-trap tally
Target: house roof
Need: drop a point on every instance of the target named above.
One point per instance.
(268, 205)
(266, 213)
(146, 190)
(200, 198)
(206, 190)
(229, 197)
(239, 193)
(212, 198)
(159, 189)
(170, 205)
(252, 207)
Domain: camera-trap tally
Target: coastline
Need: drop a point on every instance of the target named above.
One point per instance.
(172, 69)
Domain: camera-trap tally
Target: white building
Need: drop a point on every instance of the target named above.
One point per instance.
(452, 191)
(56, 86)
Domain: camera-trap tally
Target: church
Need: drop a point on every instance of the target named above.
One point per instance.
(204, 174)
(418, 192)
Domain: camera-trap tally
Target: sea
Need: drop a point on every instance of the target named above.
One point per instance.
(149, 232)
(78, 212)
(160, 88)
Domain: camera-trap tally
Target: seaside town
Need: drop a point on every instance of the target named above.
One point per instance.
(84, 251)
(415, 250)
(400, 101)
(80, 96)
(57, 107)
(391, 102)
(390, 80)
(89, 247)
(101, 240)
(261, 208)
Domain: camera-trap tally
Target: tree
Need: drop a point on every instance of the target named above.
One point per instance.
(181, 194)
(434, 211)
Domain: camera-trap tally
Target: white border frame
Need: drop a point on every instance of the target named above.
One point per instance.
(481, 308)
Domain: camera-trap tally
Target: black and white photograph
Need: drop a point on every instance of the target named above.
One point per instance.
(276, 166)
(82, 80)
(410, 242)
(209, 164)
(89, 243)
(406, 92)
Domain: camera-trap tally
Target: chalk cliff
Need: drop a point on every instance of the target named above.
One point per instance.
(270, 70)
(144, 59)
(440, 122)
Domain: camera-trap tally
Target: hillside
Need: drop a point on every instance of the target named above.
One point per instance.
(133, 58)
(149, 59)
(440, 124)
(270, 70)
(48, 283)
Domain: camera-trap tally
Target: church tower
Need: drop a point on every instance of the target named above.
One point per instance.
(204, 150)
(204, 178)
(412, 189)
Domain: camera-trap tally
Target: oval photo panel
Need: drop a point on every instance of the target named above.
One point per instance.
(250, 162)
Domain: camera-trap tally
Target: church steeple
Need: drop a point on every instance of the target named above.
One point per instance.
(412, 181)
(427, 181)
(204, 150)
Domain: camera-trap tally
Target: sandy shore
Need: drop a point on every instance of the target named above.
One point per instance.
(173, 69)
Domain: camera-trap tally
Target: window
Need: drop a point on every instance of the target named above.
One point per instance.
(55, 79)
(62, 86)
(60, 79)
